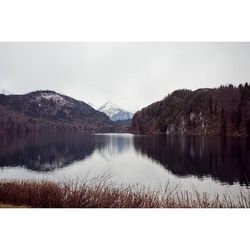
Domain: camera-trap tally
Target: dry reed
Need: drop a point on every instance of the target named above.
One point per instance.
(101, 194)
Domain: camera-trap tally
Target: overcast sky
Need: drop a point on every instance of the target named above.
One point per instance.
(131, 75)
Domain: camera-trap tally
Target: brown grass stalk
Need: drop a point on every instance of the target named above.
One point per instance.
(102, 194)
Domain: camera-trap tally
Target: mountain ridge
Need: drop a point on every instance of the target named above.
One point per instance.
(43, 109)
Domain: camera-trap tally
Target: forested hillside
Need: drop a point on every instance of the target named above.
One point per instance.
(218, 111)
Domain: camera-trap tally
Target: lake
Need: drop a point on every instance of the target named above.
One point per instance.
(208, 164)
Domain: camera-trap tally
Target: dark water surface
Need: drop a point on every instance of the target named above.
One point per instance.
(208, 164)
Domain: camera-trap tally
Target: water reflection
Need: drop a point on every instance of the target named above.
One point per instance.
(224, 159)
(115, 144)
(45, 152)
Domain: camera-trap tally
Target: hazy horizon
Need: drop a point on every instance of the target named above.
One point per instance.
(132, 75)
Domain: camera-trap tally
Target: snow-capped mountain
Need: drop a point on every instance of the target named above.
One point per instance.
(5, 92)
(114, 112)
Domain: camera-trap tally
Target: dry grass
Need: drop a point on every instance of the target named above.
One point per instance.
(11, 206)
(101, 194)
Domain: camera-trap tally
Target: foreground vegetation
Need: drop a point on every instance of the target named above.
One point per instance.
(45, 194)
(11, 206)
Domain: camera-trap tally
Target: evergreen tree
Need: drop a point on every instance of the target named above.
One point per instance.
(223, 122)
(210, 104)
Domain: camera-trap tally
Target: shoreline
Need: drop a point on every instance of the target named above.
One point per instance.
(15, 132)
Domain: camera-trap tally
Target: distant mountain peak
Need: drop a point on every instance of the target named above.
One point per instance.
(115, 112)
(109, 105)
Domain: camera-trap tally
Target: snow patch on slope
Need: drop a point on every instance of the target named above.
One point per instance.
(5, 92)
(59, 100)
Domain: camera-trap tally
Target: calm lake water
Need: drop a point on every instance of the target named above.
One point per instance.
(208, 164)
